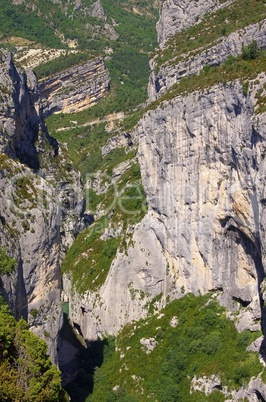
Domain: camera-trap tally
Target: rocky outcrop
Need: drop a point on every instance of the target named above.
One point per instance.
(176, 15)
(75, 89)
(212, 55)
(254, 391)
(39, 210)
(97, 10)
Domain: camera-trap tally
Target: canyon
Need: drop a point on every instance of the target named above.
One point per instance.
(200, 147)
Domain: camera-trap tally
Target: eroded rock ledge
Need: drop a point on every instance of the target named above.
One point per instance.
(76, 88)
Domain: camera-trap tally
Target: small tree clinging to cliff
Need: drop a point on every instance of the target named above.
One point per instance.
(7, 264)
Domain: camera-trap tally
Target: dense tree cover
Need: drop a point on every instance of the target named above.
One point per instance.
(203, 342)
(20, 22)
(26, 372)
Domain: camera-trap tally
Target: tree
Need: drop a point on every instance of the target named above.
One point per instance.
(26, 372)
(7, 264)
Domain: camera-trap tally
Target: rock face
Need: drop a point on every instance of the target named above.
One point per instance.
(75, 89)
(34, 220)
(212, 55)
(19, 113)
(202, 166)
(97, 10)
(30, 232)
(255, 388)
(134, 279)
(202, 163)
(202, 169)
(176, 15)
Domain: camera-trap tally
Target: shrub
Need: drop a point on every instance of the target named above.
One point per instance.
(7, 264)
(251, 51)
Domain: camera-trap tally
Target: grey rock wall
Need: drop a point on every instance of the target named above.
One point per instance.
(19, 112)
(203, 169)
(40, 205)
(30, 233)
(213, 55)
(177, 15)
(202, 165)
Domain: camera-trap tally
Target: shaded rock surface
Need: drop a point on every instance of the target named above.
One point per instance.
(35, 220)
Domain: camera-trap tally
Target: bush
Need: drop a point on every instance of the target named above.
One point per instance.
(26, 372)
(251, 51)
(7, 264)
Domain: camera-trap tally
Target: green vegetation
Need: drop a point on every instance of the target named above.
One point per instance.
(90, 257)
(215, 25)
(204, 342)
(7, 264)
(61, 63)
(251, 51)
(234, 68)
(25, 190)
(84, 147)
(52, 25)
(26, 372)
(20, 21)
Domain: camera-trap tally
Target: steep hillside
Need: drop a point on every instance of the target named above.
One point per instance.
(146, 219)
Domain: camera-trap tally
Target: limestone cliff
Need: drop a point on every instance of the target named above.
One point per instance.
(206, 190)
(202, 162)
(164, 76)
(34, 220)
(75, 89)
(176, 15)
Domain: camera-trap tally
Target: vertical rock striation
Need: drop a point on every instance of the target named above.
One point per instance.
(203, 168)
(32, 198)
(176, 15)
(202, 165)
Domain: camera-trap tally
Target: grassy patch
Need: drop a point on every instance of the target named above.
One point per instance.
(7, 263)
